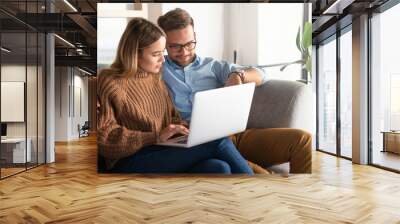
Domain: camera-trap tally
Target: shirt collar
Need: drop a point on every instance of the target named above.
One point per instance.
(195, 62)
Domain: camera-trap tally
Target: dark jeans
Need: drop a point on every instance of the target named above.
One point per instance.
(219, 156)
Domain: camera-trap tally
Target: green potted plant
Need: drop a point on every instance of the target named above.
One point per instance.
(304, 44)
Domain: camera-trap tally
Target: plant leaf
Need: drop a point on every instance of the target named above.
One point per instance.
(298, 40)
(307, 35)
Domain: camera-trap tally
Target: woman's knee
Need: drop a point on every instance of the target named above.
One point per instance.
(213, 166)
(220, 166)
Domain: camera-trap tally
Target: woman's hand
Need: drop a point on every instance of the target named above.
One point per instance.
(184, 123)
(171, 130)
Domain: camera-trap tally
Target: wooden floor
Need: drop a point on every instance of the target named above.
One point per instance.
(10, 171)
(5, 172)
(70, 191)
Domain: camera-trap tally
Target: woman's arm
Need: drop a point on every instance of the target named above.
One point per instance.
(116, 141)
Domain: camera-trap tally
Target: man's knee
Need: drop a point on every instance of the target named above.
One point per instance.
(304, 138)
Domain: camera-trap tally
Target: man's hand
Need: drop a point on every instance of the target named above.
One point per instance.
(234, 79)
(171, 130)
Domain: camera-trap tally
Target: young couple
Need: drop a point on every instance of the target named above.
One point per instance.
(146, 97)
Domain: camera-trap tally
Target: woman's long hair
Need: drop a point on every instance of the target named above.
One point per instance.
(138, 34)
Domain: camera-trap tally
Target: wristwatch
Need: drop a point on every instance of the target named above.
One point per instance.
(241, 73)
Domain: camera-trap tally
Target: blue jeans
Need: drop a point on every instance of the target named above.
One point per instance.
(219, 156)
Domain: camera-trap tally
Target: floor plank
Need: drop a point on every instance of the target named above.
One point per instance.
(71, 191)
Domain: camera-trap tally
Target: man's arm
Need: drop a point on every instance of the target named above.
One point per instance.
(248, 75)
(233, 74)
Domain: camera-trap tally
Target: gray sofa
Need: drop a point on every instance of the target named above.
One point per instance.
(282, 104)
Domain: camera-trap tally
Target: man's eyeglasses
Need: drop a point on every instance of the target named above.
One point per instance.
(178, 47)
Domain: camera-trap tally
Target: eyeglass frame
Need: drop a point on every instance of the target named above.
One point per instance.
(181, 46)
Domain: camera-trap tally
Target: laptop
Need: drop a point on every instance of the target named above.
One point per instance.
(216, 114)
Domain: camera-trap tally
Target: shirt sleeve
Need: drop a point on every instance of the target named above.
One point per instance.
(115, 141)
(222, 69)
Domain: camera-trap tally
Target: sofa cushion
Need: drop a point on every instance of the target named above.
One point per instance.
(282, 104)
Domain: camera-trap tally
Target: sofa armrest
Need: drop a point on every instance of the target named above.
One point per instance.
(282, 104)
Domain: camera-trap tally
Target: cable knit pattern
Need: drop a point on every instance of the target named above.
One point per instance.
(133, 110)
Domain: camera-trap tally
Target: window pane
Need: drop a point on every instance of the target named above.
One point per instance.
(327, 97)
(346, 94)
(386, 88)
(13, 83)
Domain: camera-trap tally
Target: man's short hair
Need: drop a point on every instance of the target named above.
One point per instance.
(174, 20)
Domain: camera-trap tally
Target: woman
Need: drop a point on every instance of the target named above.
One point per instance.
(136, 112)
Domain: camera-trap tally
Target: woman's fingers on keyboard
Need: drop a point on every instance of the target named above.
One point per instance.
(181, 129)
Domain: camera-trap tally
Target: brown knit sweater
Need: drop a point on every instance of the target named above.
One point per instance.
(133, 110)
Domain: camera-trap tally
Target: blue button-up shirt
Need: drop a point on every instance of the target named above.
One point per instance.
(201, 74)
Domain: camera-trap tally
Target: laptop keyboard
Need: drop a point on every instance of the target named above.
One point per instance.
(180, 139)
(184, 141)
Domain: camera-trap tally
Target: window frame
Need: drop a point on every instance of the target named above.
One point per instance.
(333, 37)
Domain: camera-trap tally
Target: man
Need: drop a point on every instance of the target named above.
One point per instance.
(185, 73)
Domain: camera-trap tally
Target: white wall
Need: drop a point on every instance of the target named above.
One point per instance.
(14, 72)
(247, 32)
(230, 41)
(62, 81)
(13, 101)
(278, 26)
(68, 80)
(80, 83)
(154, 11)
